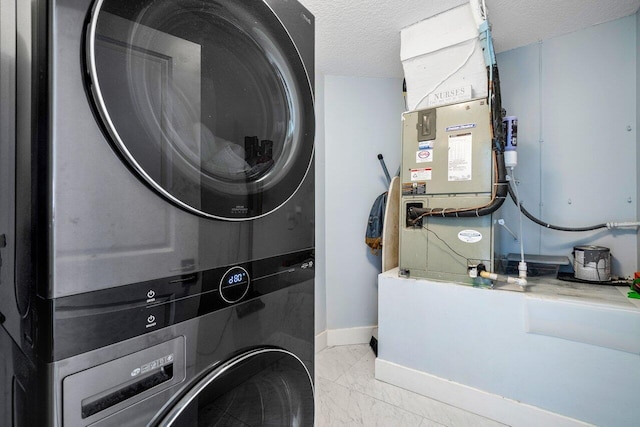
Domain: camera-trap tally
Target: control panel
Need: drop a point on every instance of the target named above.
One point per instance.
(88, 321)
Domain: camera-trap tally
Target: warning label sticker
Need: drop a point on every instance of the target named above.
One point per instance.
(423, 156)
(422, 174)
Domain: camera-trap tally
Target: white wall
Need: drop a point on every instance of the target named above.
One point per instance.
(361, 119)
(575, 97)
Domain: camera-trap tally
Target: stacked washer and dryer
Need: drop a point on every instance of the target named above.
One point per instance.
(157, 210)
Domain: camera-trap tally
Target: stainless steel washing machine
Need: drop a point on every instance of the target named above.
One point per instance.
(150, 150)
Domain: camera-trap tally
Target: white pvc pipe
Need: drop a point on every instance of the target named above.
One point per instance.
(630, 224)
(520, 281)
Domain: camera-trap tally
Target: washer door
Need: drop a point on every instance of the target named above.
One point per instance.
(208, 102)
(268, 386)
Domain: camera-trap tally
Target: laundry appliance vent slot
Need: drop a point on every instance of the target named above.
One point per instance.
(95, 404)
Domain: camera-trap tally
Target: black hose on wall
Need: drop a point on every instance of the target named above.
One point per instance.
(551, 226)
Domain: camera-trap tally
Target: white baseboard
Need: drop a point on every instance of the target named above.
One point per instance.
(346, 336)
(321, 341)
(480, 402)
(350, 336)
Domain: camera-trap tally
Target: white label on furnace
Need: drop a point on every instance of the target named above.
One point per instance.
(423, 156)
(460, 127)
(425, 145)
(460, 157)
(420, 174)
(470, 236)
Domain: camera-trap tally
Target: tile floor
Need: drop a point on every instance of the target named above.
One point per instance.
(347, 394)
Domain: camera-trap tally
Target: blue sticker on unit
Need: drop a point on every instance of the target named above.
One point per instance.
(460, 127)
(425, 145)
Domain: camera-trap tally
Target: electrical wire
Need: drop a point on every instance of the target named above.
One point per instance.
(446, 244)
(468, 260)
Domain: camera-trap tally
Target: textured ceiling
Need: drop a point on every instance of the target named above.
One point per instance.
(362, 37)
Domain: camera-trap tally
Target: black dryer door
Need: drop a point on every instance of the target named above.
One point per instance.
(209, 102)
(264, 387)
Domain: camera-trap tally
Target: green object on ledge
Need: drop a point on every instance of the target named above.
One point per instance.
(633, 294)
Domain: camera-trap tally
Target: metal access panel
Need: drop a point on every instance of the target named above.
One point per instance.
(447, 162)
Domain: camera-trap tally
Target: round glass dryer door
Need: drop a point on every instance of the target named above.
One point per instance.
(208, 102)
(265, 387)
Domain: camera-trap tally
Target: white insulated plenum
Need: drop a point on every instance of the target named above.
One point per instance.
(443, 59)
(361, 37)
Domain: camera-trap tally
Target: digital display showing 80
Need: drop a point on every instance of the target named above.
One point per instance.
(234, 284)
(237, 278)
